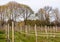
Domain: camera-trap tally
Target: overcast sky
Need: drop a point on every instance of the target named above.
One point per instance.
(36, 4)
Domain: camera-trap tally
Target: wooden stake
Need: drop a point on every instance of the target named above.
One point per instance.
(26, 29)
(46, 31)
(8, 33)
(12, 31)
(36, 32)
(20, 28)
(29, 29)
(54, 31)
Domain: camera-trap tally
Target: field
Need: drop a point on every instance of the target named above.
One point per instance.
(32, 34)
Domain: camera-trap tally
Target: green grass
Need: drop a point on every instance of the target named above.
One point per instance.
(20, 37)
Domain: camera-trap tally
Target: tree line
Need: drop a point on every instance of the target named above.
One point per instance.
(14, 11)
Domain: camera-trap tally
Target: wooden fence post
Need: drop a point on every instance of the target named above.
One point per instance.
(8, 34)
(20, 29)
(26, 31)
(12, 31)
(54, 30)
(35, 32)
(46, 31)
(29, 29)
(41, 28)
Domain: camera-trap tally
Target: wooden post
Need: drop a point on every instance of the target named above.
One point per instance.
(46, 31)
(8, 34)
(26, 29)
(35, 32)
(29, 29)
(41, 29)
(20, 29)
(54, 31)
(12, 31)
(56, 28)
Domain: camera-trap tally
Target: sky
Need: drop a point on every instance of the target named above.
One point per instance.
(35, 4)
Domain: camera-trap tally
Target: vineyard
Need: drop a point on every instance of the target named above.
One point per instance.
(30, 34)
(19, 23)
